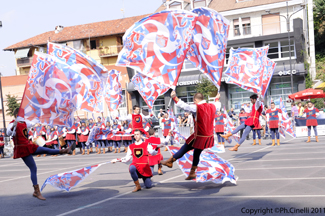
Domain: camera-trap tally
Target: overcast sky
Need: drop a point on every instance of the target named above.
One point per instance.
(23, 19)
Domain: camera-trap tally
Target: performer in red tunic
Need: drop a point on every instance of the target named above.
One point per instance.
(137, 119)
(139, 152)
(70, 138)
(23, 149)
(168, 125)
(109, 138)
(311, 113)
(272, 116)
(117, 136)
(219, 126)
(53, 139)
(100, 143)
(156, 159)
(203, 136)
(83, 137)
(250, 123)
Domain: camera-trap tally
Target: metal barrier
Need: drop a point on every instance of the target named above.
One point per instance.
(185, 131)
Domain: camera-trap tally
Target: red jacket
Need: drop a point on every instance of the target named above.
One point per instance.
(254, 116)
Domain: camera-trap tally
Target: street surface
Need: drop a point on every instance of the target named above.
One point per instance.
(270, 178)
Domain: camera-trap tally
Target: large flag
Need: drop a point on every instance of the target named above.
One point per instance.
(94, 75)
(156, 46)
(97, 133)
(246, 67)
(113, 90)
(267, 76)
(208, 47)
(150, 89)
(210, 168)
(66, 181)
(52, 92)
(286, 123)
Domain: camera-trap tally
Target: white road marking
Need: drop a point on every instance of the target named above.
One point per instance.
(108, 199)
(278, 160)
(275, 168)
(284, 179)
(223, 197)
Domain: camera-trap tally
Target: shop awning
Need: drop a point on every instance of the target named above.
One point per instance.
(321, 86)
(22, 53)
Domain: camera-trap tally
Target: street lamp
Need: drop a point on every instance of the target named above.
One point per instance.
(288, 29)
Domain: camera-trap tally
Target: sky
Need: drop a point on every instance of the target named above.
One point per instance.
(23, 19)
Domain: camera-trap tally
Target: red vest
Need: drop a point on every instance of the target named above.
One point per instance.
(22, 147)
(311, 117)
(83, 138)
(219, 123)
(141, 158)
(71, 136)
(167, 126)
(253, 119)
(137, 123)
(154, 159)
(274, 117)
(203, 135)
(2, 143)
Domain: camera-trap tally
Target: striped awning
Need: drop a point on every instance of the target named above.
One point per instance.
(321, 86)
(22, 53)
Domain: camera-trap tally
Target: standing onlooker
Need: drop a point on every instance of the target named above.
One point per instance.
(266, 127)
(179, 120)
(190, 122)
(232, 114)
(300, 109)
(294, 114)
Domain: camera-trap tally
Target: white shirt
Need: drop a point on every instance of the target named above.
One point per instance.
(13, 131)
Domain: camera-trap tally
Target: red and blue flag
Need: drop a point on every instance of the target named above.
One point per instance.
(113, 90)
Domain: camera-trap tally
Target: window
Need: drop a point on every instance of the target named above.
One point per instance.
(175, 5)
(280, 49)
(238, 96)
(185, 93)
(123, 104)
(281, 87)
(93, 44)
(159, 104)
(236, 27)
(271, 24)
(236, 47)
(199, 3)
(246, 22)
(188, 65)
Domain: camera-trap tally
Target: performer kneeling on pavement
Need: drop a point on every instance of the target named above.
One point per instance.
(203, 136)
(24, 150)
(139, 152)
(250, 123)
(311, 113)
(156, 159)
(273, 115)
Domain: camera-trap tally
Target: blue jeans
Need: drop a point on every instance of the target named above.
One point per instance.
(109, 143)
(135, 176)
(309, 130)
(56, 146)
(258, 134)
(275, 132)
(126, 143)
(220, 139)
(117, 144)
(83, 144)
(71, 142)
(246, 128)
(30, 163)
(266, 131)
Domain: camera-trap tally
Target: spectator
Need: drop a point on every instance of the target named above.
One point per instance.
(179, 120)
(300, 109)
(232, 114)
(266, 128)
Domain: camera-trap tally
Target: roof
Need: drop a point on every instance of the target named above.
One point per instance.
(227, 5)
(70, 33)
(14, 80)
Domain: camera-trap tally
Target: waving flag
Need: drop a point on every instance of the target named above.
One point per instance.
(150, 89)
(156, 46)
(113, 90)
(208, 47)
(267, 76)
(52, 92)
(210, 168)
(94, 75)
(246, 67)
(175, 132)
(68, 180)
(97, 133)
(286, 123)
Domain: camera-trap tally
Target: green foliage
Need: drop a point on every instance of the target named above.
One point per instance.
(12, 104)
(318, 102)
(206, 87)
(319, 26)
(309, 82)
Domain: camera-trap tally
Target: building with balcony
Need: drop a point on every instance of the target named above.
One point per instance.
(253, 23)
(101, 40)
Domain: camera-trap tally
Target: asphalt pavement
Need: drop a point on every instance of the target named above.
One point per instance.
(272, 180)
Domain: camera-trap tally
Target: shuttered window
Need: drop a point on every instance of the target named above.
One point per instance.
(271, 24)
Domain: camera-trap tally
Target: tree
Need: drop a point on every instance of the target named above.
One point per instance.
(206, 87)
(318, 102)
(12, 104)
(319, 27)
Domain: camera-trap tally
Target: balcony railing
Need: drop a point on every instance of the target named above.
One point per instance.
(109, 51)
(24, 62)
